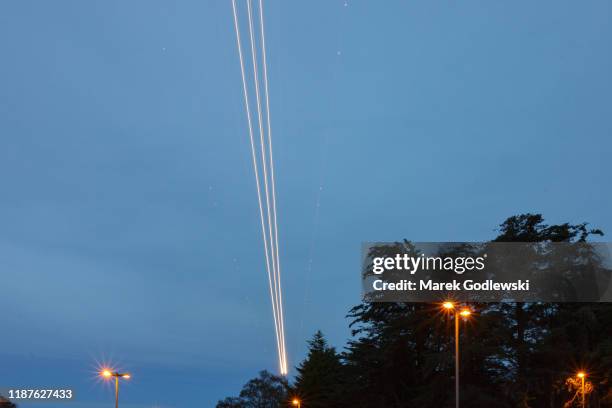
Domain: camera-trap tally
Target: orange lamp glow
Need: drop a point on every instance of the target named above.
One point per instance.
(448, 305)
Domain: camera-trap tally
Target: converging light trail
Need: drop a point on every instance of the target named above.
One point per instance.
(263, 161)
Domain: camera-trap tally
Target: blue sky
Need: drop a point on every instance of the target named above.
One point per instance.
(130, 231)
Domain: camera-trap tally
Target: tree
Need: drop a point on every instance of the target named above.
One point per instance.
(319, 375)
(401, 356)
(5, 403)
(265, 391)
(230, 402)
(529, 323)
(513, 355)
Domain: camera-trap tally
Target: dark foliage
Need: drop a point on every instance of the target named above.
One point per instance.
(513, 355)
(265, 391)
(5, 403)
(319, 375)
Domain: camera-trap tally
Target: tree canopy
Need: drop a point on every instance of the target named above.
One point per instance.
(5, 403)
(513, 355)
(265, 391)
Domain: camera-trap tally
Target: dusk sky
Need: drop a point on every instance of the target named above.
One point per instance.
(128, 212)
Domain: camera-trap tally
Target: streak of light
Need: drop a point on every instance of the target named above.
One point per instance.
(265, 164)
(257, 181)
(269, 234)
(273, 183)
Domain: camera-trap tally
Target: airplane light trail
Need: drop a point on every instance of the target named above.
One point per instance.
(269, 234)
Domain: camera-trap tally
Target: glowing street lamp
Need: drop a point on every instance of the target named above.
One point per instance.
(582, 376)
(297, 403)
(465, 313)
(108, 374)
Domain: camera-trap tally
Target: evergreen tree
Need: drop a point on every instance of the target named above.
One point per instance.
(318, 380)
(527, 322)
(513, 355)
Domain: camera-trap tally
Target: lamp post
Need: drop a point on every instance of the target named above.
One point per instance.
(110, 374)
(297, 403)
(465, 313)
(582, 376)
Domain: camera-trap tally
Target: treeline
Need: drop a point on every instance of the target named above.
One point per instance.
(513, 355)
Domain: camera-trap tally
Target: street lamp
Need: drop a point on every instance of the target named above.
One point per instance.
(582, 376)
(106, 373)
(296, 402)
(465, 313)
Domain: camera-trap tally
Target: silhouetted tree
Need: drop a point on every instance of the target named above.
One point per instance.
(265, 391)
(514, 355)
(5, 403)
(527, 322)
(230, 402)
(319, 375)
